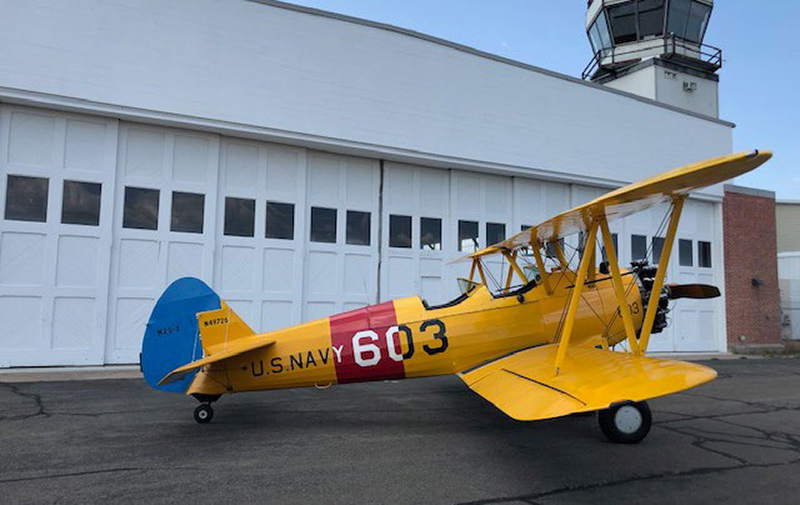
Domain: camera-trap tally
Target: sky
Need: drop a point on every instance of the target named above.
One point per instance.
(759, 79)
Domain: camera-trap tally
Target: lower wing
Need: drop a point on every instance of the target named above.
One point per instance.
(524, 385)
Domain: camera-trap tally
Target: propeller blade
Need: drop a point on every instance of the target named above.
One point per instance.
(697, 291)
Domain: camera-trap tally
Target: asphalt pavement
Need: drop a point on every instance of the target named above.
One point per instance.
(736, 439)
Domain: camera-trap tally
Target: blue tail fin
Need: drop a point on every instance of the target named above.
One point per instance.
(171, 339)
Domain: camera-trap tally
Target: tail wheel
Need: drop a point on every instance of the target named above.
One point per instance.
(627, 423)
(203, 413)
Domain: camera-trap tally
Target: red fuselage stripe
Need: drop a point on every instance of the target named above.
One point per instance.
(355, 338)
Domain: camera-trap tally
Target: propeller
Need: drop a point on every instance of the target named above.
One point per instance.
(697, 291)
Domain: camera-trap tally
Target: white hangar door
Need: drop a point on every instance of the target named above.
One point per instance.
(56, 194)
(694, 325)
(696, 258)
(481, 211)
(341, 234)
(640, 240)
(415, 219)
(261, 230)
(164, 224)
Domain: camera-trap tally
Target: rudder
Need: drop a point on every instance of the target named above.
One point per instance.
(172, 338)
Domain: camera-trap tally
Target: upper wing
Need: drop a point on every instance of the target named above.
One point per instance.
(231, 349)
(523, 385)
(634, 198)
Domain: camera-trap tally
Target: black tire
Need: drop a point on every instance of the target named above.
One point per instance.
(203, 413)
(627, 423)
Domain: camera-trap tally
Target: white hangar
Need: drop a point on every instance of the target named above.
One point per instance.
(305, 163)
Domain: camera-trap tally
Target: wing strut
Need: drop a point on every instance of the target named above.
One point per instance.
(513, 268)
(619, 290)
(655, 292)
(540, 267)
(569, 320)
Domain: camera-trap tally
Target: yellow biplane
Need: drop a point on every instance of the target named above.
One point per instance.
(538, 347)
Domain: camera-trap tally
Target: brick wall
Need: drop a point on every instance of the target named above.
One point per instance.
(752, 301)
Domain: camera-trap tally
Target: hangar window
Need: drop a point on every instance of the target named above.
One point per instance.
(430, 233)
(80, 203)
(358, 228)
(187, 212)
(550, 249)
(400, 231)
(140, 209)
(468, 236)
(615, 244)
(685, 253)
(240, 217)
(280, 221)
(323, 225)
(658, 244)
(638, 247)
(704, 254)
(26, 198)
(495, 232)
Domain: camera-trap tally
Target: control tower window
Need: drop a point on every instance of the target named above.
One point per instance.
(623, 22)
(651, 18)
(688, 19)
(598, 34)
(602, 30)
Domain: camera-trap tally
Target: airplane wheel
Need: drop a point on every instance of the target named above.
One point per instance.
(203, 413)
(628, 423)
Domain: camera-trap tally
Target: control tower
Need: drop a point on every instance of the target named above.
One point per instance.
(654, 48)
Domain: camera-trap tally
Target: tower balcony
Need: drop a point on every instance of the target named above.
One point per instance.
(625, 32)
(704, 57)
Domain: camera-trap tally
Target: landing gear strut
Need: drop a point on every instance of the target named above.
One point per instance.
(626, 423)
(204, 413)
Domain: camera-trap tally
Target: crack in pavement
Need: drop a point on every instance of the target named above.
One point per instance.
(529, 498)
(72, 474)
(701, 438)
(42, 411)
(37, 399)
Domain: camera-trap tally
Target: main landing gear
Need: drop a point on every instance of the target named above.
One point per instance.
(204, 413)
(626, 423)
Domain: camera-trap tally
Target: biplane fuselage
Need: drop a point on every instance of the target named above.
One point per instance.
(404, 339)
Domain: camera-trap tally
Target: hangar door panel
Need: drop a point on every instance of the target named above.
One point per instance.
(261, 227)
(341, 234)
(56, 192)
(481, 211)
(414, 222)
(694, 325)
(164, 224)
(697, 259)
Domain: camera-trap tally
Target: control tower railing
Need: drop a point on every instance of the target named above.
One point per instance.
(703, 56)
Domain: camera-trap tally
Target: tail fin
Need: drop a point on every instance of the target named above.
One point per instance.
(188, 322)
(220, 327)
(171, 338)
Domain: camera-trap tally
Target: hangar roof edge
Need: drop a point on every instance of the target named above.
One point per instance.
(483, 54)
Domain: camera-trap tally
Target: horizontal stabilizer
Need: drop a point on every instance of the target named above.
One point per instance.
(224, 352)
(524, 385)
